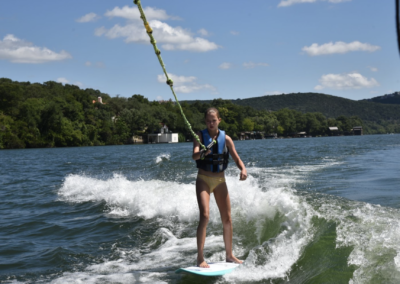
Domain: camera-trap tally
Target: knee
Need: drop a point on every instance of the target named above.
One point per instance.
(227, 220)
(204, 216)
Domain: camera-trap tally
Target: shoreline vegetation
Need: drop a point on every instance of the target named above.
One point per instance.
(34, 115)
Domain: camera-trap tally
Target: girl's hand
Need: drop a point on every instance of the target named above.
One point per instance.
(204, 153)
(243, 174)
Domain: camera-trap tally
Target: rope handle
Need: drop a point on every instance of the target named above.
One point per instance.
(204, 151)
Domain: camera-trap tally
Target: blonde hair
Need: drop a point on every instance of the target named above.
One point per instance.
(211, 110)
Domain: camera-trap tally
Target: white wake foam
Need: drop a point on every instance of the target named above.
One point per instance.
(162, 157)
(254, 203)
(373, 232)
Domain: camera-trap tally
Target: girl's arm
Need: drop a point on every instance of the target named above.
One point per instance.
(196, 148)
(235, 157)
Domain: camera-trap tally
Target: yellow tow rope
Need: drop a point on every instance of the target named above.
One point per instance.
(169, 81)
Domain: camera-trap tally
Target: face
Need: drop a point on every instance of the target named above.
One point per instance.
(212, 121)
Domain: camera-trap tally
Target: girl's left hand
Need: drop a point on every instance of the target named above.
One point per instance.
(243, 175)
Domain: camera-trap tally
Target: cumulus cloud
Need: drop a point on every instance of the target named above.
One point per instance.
(64, 81)
(186, 84)
(91, 17)
(170, 38)
(132, 13)
(286, 3)
(203, 32)
(97, 64)
(226, 65)
(20, 51)
(269, 93)
(250, 65)
(100, 64)
(194, 44)
(345, 82)
(339, 47)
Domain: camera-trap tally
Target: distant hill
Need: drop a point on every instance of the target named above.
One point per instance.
(328, 105)
(393, 98)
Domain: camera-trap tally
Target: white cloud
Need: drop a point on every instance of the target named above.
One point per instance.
(100, 64)
(268, 93)
(338, 47)
(79, 84)
(346, 82)
(91, 17)
(373, 69)
(170, 38)
(97, 64)
(195, 44)
(250, 65)
(186, 84)
(62, 80)
(286, 3)
(100, 31)
(203, 32)
(20, 51)
(132, 13)
(226, 65)
(235, 33)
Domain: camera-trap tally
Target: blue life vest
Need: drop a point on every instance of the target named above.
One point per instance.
(217, 160)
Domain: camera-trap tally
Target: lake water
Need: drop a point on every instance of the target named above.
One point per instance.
(313, 210)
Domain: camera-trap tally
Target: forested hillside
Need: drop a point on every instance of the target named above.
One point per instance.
(328, 105)
(54, 115)
(393, 98)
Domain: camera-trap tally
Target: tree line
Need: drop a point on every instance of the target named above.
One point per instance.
(370, 111)
(55, 115)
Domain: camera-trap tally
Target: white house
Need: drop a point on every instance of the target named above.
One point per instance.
(163, 137)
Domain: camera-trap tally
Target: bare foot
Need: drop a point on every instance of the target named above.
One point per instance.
(202, 263)
(234, 260)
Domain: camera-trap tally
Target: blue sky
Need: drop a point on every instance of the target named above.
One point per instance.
(212, 49)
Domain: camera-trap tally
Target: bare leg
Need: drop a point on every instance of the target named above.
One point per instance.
(203, 199)
(224, 205)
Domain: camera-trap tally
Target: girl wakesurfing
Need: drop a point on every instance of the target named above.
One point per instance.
(211, 179)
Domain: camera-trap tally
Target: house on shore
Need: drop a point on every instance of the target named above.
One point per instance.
(333, 131)
(136, 139)
(164, 136)
(271, 136)
(357, 130)
(250, 135)
(301, 134)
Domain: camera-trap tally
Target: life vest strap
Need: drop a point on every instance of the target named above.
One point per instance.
(214, 162)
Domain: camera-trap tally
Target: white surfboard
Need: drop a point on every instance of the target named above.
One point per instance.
(216, 269)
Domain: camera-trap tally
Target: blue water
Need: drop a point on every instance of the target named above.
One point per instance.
(313, 210)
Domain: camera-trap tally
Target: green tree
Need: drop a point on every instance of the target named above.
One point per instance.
(248, 125)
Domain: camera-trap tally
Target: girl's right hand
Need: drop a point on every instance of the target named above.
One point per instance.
(203, 154)
(243, 174)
